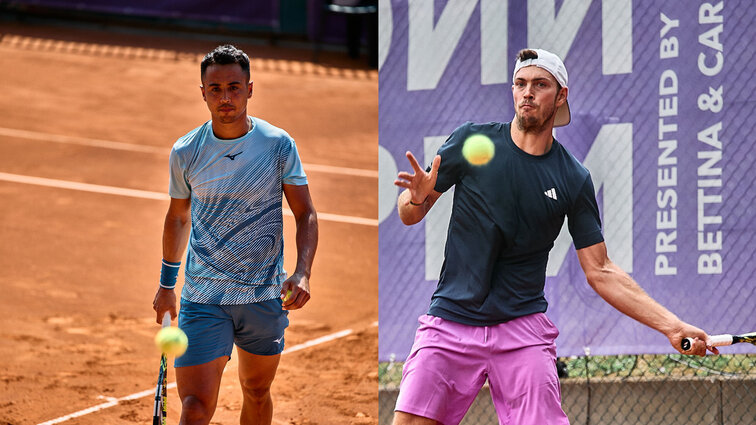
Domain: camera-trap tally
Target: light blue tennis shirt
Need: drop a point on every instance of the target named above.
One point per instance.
(235, 253)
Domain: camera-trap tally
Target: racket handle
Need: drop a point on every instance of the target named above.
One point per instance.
(720, 340)
(167, 319)
(716, 341)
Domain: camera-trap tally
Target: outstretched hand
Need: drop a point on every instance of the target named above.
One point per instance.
(420, 183)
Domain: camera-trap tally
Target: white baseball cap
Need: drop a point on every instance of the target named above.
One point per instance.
(550, 62)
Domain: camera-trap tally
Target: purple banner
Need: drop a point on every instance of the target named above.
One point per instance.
(257, 12)
(662, 100)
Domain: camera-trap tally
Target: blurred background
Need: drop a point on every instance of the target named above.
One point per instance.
(331, 25)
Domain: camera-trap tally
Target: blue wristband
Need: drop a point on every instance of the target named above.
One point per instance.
(168, 274)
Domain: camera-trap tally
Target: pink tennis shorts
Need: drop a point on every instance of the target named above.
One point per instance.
(450, 362)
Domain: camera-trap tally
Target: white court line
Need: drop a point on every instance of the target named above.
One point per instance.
(107, 144)
(33, 135)
(85, 187)
(145, 194)
(114, 401)
(110, 403)
(318, 341)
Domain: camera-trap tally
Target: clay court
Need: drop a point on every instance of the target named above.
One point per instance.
(88, 119)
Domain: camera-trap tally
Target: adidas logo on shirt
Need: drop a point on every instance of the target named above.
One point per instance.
(551, 193)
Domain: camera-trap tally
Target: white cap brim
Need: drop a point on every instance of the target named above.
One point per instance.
(563, 116)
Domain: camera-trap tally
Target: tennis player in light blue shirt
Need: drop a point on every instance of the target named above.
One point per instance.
(228, 178)
(235, 253)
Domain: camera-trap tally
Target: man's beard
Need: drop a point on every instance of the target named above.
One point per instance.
(531, 124)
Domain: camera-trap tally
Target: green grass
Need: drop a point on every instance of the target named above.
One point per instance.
(389, 374)
(671, 365)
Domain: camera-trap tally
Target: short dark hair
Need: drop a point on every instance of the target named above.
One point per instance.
(526, 54)
(225, 55)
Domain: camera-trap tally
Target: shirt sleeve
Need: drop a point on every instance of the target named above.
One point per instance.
(453, 164)
(583, 218)
(293, 172)
(178, 186)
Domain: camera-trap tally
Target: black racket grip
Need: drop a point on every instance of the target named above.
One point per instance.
(686, 344)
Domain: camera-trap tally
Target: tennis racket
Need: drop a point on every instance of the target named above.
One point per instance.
(720, 340)
(161, 408)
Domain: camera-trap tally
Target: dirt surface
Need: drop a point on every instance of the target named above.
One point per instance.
(80, 268)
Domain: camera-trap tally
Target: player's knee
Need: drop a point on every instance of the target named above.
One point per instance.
(256, 390)
(196, 411)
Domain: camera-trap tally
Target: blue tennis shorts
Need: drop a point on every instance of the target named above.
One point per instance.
(213, 330)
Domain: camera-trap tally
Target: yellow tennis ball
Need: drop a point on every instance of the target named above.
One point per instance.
(172, 341)
(478, 149)
(288, 295)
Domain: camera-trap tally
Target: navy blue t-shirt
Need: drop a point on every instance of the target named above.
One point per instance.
(505, 218)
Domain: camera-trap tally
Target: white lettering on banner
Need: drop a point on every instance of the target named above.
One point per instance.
(709, 195)
(387, 191)
(669, 46)
(616, 30)
(437, 219)
(385, 30)
(708, 14)
(494, 30)
(709, 180)
(610, 161)
(616, 37)
(430, 47)
(543, 19)
(666, 174)
(668, 25)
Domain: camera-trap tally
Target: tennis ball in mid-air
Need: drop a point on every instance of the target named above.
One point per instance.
(172, 341)
(478, 149)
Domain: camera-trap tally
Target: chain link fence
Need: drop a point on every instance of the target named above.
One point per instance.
(630, 390)
(662, 105)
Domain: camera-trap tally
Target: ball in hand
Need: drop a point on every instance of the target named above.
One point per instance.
(478, 149)
(172, 341)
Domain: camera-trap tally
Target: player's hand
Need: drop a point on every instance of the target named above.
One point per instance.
(299, 285)
(165, 300)
(419, 183)
(701, 341)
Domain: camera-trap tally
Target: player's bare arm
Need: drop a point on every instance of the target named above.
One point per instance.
(415, 202)
(617, 288)
(300, 203)
(175, 238)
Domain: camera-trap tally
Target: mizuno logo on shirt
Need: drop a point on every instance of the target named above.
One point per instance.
(551, 193)
(231, 157)
(278, 341)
